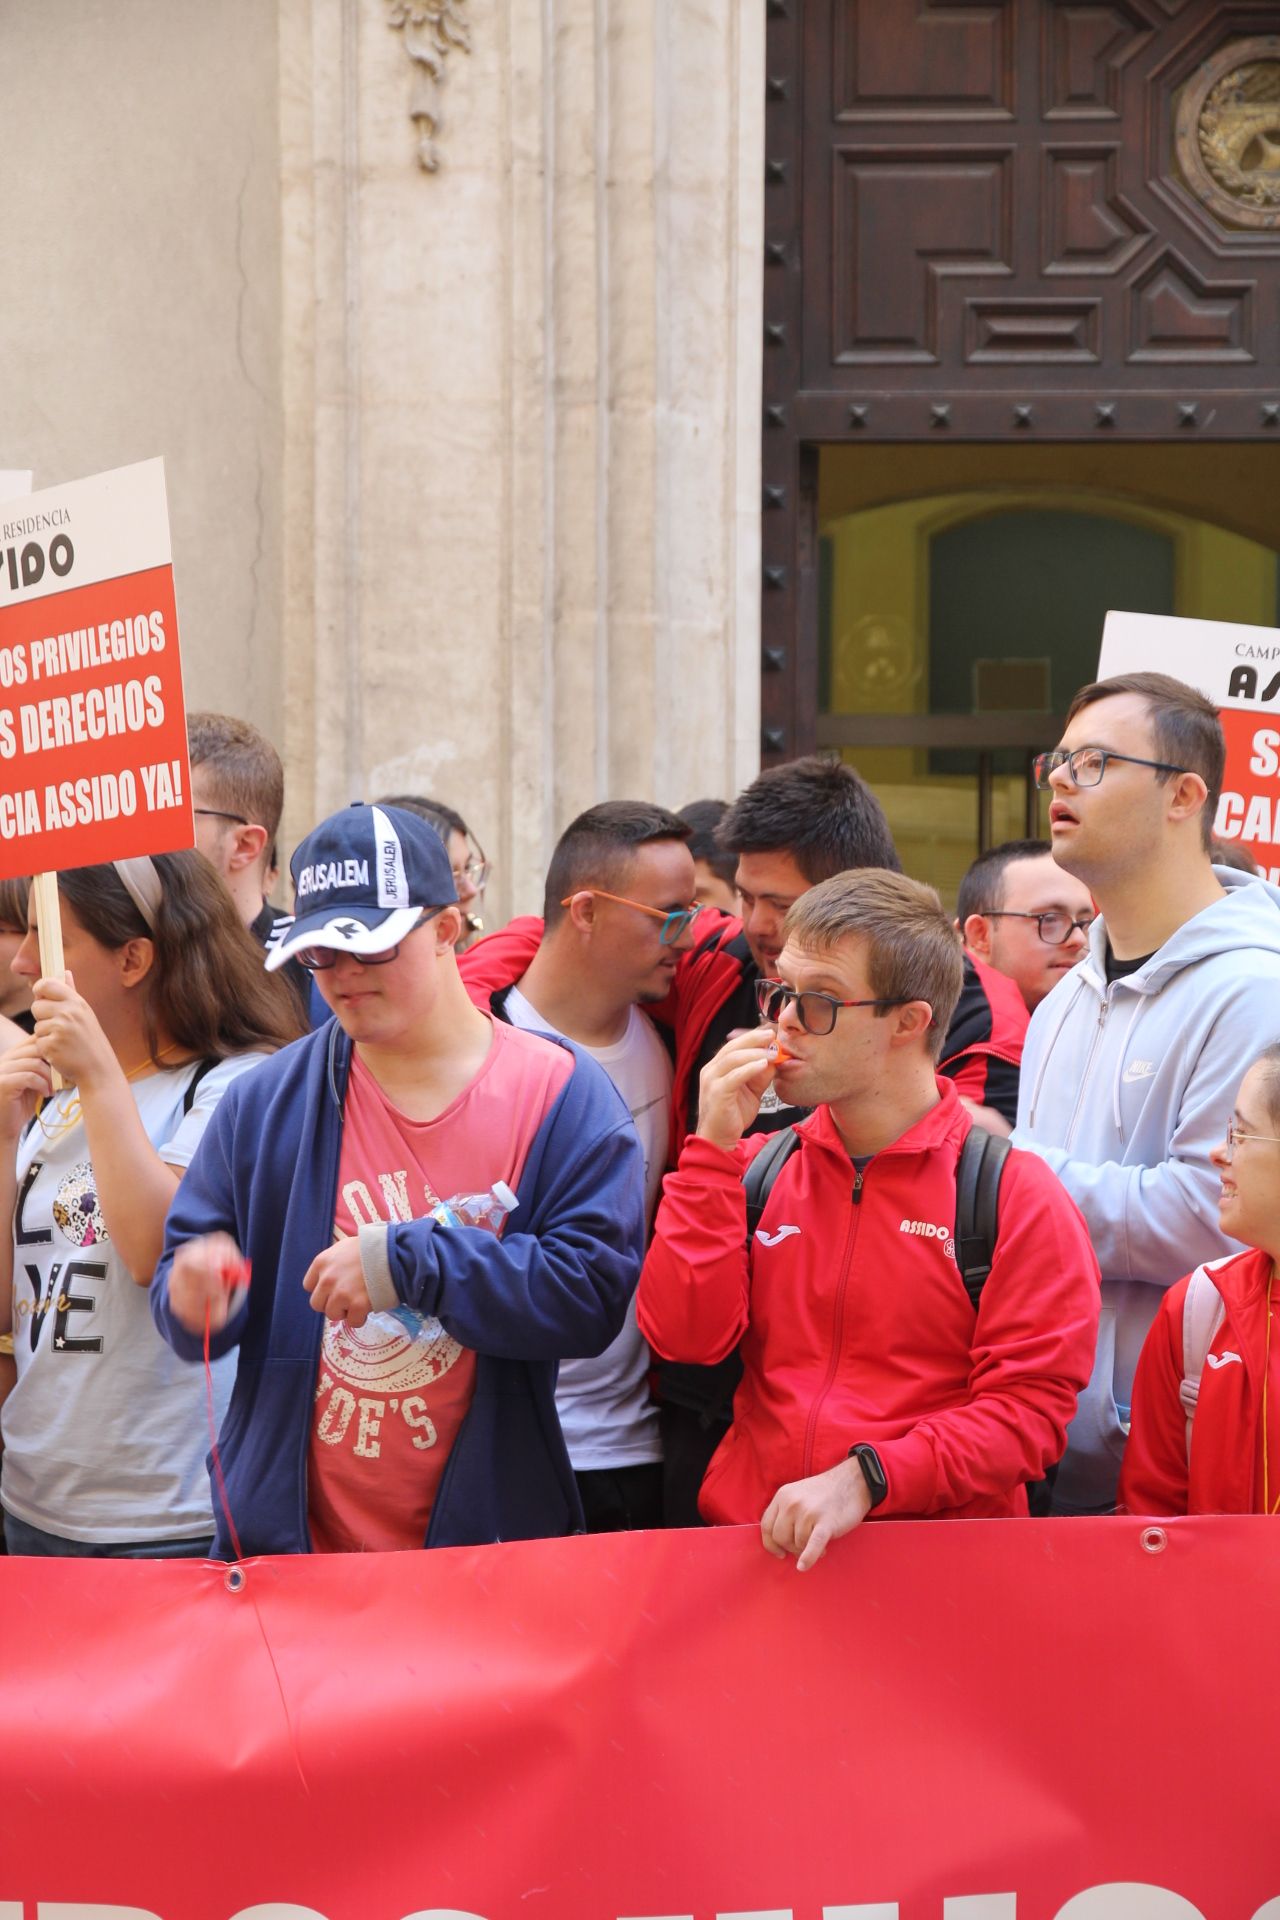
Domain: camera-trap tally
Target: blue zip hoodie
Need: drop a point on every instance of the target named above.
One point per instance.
(266, 1173)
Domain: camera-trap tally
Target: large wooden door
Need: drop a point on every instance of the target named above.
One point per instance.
(1022, 220)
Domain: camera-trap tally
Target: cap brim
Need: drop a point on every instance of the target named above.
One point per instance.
(355, 930)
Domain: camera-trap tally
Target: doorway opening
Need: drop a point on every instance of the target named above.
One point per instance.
(961, 596)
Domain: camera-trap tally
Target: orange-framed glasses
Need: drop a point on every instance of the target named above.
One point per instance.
(674, 920)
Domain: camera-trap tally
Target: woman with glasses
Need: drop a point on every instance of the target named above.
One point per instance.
(163, 1003)
(1205, 1436)
(471, 870)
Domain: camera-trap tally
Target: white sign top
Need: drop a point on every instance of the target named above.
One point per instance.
(87, 531)
(1231, 665)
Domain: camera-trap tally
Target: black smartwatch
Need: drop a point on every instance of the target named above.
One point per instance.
(872, 1472)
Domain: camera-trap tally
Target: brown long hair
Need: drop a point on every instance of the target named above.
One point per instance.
(207, 990)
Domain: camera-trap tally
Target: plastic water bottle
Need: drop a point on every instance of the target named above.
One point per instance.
(488, 1210)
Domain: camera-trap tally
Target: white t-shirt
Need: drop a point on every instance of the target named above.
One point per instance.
(603, 1403)
(106, 1431)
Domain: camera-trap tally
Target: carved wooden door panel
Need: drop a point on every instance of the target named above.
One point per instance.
(1048, 219)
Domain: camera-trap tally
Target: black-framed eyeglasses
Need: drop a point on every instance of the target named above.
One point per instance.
(1086, 765)
(1055, 927)
(220, 813)
(320, 959)
(815, 1011)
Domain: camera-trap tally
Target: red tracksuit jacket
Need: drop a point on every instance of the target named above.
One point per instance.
(1224, 1473)
(855, 1326)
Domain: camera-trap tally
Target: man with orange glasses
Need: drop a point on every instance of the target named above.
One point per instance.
(618, 914)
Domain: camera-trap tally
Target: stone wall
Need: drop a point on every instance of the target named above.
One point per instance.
(522, 405)
(141, 304)
(463, 463)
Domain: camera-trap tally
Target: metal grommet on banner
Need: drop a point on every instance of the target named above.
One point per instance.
(1154, 1539)
(235, 1580)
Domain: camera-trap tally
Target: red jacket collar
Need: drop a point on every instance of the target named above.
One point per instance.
(1243, 1280)
(943, 1126)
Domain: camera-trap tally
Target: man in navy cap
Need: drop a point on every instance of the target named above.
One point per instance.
(405, 1222)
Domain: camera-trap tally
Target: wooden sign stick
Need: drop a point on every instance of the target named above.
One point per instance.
(49, 925)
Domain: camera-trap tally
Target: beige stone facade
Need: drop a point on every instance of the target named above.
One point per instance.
(463, 463)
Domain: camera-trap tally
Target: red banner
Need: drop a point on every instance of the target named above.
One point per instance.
(965, 1721)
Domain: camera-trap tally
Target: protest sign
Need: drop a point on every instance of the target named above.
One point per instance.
(93, 737)
(947, 1720)
(1238, 668)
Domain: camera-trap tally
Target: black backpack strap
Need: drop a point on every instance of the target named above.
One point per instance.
(189, 1097)
(757, 1181)
(982, 1162)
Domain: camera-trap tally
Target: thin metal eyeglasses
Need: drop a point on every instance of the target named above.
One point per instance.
(674, 920)
(220, 813)
(1235, 1136)
(476, 869)
(816, 1011)
(1086, 765)
(1054, 927)
(320, 959)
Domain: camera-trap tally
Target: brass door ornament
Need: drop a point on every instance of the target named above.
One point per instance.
(1228, 133)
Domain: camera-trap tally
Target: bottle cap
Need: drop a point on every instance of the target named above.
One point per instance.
(503, 1193)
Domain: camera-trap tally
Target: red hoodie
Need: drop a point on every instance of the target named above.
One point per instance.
(855, 1325)
(981, 1056)
(1225, 1472)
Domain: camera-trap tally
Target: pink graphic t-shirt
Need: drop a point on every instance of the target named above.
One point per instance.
(392, 1394)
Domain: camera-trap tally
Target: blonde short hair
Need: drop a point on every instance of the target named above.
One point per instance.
(913, 951)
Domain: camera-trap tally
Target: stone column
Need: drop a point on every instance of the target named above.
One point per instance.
(522, 414)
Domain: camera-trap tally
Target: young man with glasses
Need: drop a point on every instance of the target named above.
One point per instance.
(619, 912)
(396, 1382)
(237, 792)
(793, 826)
(1024, 915)
(1131, 1065)
(868, 1383)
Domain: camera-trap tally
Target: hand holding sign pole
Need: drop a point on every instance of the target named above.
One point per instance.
(49, 927)
(93, 733)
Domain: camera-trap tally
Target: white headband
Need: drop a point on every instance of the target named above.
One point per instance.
(141, 882)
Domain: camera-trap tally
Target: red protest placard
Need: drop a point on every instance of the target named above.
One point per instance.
(93, 732)
(1238, 668)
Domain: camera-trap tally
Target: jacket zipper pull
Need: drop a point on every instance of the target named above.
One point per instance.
(857, 1187)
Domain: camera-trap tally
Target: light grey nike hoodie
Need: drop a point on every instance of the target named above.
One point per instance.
(1124, 1090)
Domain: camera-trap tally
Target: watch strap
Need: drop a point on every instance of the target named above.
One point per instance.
(872, 1472)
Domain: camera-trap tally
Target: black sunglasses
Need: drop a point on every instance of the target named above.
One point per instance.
(320, 959)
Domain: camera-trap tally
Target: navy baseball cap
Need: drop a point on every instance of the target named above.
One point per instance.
(361, 881)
